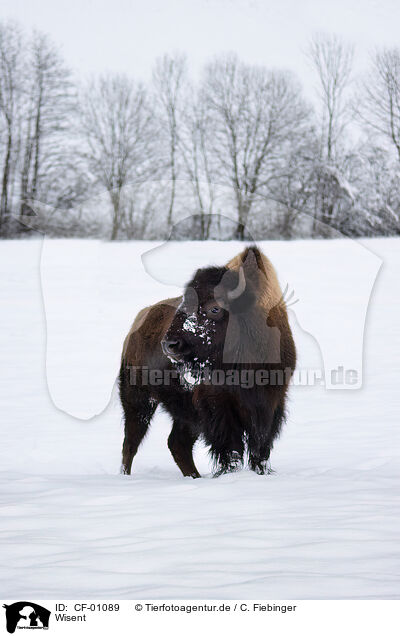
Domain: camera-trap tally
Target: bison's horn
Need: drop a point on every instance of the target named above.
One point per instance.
(241, 286)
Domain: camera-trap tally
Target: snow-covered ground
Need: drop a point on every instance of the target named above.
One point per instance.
(324, 525)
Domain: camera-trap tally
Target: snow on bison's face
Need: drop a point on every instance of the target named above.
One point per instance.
(212, 300)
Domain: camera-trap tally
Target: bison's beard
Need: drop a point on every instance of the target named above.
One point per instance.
(194, 372)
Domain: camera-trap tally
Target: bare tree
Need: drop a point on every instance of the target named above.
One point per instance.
(379, 107)
(292, 186)
(332, 59)
(169, 77)
(255, 113)
(49, 103)
(118, 128)
(11, 89)
(195, 143)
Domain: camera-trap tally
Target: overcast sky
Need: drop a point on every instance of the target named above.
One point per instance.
(127, 35)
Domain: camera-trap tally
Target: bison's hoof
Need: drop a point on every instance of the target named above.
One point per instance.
(232, 465)
(261, 468)
(195, 475)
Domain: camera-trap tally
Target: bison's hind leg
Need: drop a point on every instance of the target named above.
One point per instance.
(138, 407)
(259, 462)
(137, 415)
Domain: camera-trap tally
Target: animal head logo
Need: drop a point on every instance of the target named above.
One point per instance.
(26, 615)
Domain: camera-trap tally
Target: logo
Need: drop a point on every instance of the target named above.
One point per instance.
(26, 615)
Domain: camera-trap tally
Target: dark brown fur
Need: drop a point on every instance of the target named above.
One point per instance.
(251, 332)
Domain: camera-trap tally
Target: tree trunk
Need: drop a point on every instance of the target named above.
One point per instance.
(115, 224)
(239, 233)
(25, 174)
(173, 183)
(116, 221)
(36, 163)
(243, 215)
(6, 173)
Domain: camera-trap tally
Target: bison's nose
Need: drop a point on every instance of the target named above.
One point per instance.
(174, 347)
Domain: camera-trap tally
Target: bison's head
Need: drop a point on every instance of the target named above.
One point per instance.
(221, 318)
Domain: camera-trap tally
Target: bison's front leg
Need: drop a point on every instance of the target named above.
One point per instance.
(227, 462)
(180, 443)
(221, 428)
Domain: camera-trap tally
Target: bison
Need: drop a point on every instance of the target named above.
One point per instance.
(219, 360)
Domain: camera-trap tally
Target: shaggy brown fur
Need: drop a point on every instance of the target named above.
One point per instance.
(230, 319)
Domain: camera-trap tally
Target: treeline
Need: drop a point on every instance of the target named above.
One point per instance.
(240, 152)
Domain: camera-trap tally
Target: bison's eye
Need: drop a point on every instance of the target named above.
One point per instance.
(214, 312)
